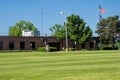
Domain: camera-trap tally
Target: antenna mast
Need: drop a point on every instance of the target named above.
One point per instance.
(41, 18)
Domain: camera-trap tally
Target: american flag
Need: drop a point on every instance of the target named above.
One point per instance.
(101, 9)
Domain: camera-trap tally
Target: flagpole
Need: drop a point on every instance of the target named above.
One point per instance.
(101, 10)
(100, 34)
(100, 17)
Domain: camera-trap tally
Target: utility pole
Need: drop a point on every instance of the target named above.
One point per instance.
(42, 18)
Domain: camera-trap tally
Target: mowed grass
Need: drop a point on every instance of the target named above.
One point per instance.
(82, 65)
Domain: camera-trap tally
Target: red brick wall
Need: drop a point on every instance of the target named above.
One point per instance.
(39, 42)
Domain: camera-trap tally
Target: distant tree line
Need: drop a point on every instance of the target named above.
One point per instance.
(108, 29)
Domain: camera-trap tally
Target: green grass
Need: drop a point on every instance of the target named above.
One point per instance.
(82, 65)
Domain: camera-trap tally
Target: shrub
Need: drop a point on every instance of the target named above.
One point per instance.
(71, 49)
(53, 48)
(42, 49)
(110, 48)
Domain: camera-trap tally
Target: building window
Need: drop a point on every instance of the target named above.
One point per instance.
(32, 45)
(11, 45)
(1, 45)
(22, 45)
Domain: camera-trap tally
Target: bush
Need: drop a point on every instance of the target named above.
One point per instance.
(110, 48)
(71, 49)
(42, 49)
(53, 49)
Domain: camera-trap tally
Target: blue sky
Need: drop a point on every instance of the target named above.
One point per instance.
(12, 11)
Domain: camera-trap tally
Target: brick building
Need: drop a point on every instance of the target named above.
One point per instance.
(32, 43)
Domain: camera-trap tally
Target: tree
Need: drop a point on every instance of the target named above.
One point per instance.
(77, 31)
(58, 31)
(16, 30)
(109, 28)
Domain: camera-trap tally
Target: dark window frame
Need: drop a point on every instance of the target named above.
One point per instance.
(22, 45)
(11, 45)
(1, 45)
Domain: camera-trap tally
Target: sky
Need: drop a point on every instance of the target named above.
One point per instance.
(12, 11)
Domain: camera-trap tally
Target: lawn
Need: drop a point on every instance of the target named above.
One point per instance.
(82, 65)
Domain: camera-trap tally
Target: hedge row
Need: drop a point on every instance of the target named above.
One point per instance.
(43, 49)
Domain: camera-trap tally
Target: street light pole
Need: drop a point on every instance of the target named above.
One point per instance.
(66, 30)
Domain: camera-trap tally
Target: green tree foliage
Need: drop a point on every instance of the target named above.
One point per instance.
(58, 31)
(109, 28)
(76, 28)
(16, 30)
